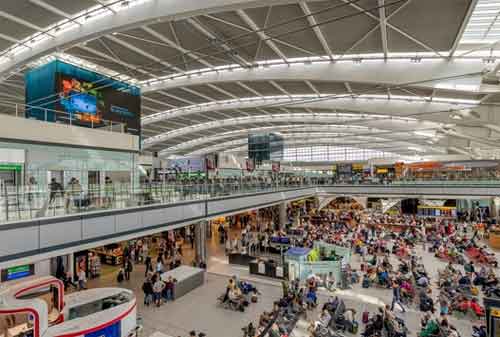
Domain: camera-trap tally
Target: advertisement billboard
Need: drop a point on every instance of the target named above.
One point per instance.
(182, 165)
(88, 105)
(64, 93)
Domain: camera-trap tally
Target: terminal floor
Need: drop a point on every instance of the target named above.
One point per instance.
(198, 310)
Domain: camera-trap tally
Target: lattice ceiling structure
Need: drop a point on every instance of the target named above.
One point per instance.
(405, 76)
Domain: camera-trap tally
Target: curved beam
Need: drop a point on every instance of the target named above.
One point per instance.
(373, 121)
(389, 145)
(346, 129)
(374, 104)
(299, 140)
(138, 15)
(342, 132)
(387, 72)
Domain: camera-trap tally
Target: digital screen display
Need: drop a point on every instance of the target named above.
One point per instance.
(181, 165)
(93, 104)
(15, 273)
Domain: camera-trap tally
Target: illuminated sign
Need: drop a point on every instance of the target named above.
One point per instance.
(495, 312)
(15, 273)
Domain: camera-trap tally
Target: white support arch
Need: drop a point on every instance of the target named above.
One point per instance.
(107, 22)
(342, 133)
(298, 140)
(399, 147)
(373, 121)
(396, 106)
(463, 74)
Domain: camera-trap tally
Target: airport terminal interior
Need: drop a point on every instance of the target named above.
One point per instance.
(249, 168)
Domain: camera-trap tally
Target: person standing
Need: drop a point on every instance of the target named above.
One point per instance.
(158, 287)
(147, 288)
(128, 269)
(82, 279)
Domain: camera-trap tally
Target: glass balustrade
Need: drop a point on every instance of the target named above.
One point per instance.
(34, 201)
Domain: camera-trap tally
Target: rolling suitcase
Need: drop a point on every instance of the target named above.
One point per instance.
(365, 317)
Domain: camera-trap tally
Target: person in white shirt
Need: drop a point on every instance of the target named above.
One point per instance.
(82, 279)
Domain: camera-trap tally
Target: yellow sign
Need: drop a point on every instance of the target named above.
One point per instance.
(495, 312)
(382, 170)
(357, 167)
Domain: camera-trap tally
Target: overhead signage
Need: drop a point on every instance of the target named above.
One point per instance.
(11, 167)
(15, 273)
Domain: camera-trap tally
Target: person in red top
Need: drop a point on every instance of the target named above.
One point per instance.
(476, 307)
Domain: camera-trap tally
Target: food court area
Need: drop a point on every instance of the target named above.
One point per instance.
(341, 266)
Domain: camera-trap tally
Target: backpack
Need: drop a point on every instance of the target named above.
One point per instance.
(119, 278)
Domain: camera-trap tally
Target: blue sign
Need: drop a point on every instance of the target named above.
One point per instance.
(113, 330)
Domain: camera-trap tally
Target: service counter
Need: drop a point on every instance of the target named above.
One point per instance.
(241, 259)
(187, 279)
(108, 257)
(269, 268)
(494, 238)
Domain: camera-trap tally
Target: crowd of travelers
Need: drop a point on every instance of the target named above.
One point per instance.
(390, 254)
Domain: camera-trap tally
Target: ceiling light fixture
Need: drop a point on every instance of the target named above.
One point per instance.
(489, 60)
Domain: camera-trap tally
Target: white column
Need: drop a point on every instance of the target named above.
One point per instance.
(71, 264)
(200, 241)
(283, 215)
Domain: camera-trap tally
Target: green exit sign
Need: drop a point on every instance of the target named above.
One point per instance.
(10, 167)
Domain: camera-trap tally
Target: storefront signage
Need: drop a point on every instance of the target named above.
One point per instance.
(357, 167)
(382, 170)
(15, 273)
(10, 167)
(495, 312)
(344, 168)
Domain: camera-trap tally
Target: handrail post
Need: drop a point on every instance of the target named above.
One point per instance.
(17, 110)
(46, 115)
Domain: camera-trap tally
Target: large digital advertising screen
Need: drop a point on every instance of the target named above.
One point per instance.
(64, 93)
(89, 104)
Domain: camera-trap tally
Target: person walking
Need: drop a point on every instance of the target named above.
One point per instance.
(396, 296)
(128, 269)
(149, 266)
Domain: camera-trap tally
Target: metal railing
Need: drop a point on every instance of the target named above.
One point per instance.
(35, 201)
(32, 202)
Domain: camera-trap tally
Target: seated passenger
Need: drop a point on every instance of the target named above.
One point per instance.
(465, 280)
(423, 281)
(431, 329)
(324, 319)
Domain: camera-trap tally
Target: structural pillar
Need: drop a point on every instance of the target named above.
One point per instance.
(283, 219)
(494, 207)
(200, 242)
(71, 265)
